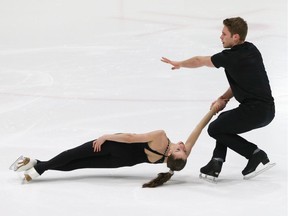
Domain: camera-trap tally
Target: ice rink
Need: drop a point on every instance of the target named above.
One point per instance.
(72, 70)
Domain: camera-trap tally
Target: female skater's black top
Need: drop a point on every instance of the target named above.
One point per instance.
(129, 154)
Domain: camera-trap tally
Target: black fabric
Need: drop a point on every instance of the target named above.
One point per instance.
(248, 80)
(152, 150)
(229, 124)
(245, 72)
(161, 160)
(112, 155)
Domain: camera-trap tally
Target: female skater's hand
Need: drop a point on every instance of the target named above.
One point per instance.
(175, 64)
(97, 143)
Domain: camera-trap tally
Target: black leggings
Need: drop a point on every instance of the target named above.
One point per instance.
(82, 156)
(229, 124)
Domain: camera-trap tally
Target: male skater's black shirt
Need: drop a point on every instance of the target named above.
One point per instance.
(245, 72)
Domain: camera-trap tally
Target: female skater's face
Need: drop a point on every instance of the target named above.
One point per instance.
(180, 151)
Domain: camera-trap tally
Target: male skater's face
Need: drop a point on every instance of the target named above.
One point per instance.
(227, 39)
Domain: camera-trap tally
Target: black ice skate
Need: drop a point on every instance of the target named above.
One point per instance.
(257, 158)
(211, 171)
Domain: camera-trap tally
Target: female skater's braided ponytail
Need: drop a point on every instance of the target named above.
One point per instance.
(174, 165)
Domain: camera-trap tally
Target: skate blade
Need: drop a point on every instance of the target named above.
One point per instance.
(24, 181)
(14, 166)
(258, 172)
(208, 178)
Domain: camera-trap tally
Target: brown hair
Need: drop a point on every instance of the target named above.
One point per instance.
(237, 25)
(174, 164)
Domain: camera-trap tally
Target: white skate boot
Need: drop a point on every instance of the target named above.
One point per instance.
(30, 174)
(22, 164)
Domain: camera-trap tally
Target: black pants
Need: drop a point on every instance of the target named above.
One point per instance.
(229, 124)
(82, 156)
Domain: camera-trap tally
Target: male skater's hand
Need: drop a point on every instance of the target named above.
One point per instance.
(175, 64)
(219, 104)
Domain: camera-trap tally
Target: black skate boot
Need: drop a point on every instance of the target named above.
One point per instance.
(254, 161)
(212, 170)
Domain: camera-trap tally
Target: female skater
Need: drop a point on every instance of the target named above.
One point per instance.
(119, 150)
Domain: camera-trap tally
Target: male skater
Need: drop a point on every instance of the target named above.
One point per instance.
(249, 85)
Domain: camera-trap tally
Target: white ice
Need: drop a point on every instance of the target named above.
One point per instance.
(72, 70)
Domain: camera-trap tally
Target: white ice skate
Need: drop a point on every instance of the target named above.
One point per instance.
(30, 174)
(22, 164)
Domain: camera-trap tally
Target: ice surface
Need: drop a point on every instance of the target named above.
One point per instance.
(72, 70)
